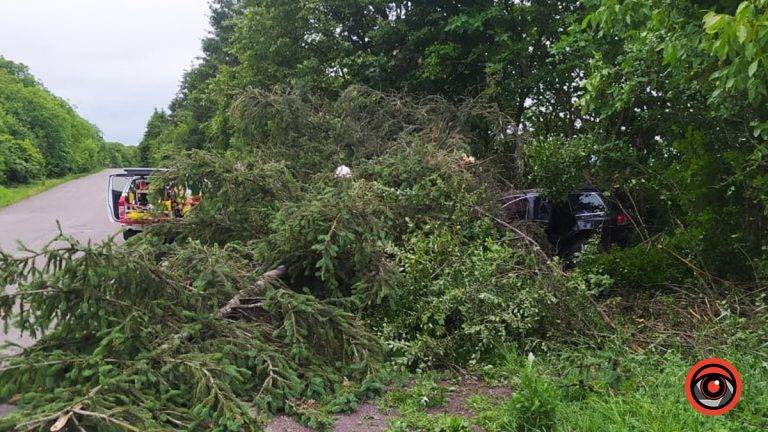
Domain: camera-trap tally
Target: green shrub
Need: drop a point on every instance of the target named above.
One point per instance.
(534, 403)
(637, 268)
(533, 406)
(423, 394)
(465, 292)
(22, 162)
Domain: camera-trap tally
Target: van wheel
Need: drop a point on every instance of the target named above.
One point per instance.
(129, 233)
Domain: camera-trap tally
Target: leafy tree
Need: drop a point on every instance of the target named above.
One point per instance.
(20, 161)
(157, 128)
(458, 50)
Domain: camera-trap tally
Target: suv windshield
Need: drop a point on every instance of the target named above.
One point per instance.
(587, 203)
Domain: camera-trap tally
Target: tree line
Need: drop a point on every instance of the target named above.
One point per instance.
(659, 103)
(42, 136)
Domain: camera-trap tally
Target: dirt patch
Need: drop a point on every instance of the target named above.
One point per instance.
(367, 418)
(283, 423)
(462, 391)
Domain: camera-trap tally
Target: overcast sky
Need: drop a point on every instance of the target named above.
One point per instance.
(114, 60)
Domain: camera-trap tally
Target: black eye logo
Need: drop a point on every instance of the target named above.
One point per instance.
(713, 386)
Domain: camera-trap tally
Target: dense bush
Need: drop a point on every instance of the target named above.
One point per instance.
(20, 161)
(638, 268)
(465, 292)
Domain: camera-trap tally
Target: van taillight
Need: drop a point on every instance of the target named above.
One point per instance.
(121, 207)
(622, 219)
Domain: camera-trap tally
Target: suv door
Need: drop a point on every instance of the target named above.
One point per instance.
(115, 188)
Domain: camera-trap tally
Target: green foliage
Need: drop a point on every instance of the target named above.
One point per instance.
(336, 236)
(431, 423)
(136, 325)
(615, 389)
(466, 292)
(154, 147)
(546, 157)
(630, 379)
(421, 395)
(650, 100)
(533, 406)
(639, 268)
(740, 45)
(359, 124)
(116, 155)
(20, 161)
(241, 195)
(670, 122)
(335, 240)
(414, 402)
(490, 49)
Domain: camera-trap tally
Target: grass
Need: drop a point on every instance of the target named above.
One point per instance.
(613, 389)
(615, 385)
(14, 194)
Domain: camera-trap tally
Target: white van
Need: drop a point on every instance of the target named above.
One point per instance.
(129, 204)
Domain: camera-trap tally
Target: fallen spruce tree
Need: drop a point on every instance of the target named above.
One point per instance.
(286, 285)
(153, 336)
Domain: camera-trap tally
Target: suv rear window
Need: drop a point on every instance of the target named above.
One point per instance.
(587, 203)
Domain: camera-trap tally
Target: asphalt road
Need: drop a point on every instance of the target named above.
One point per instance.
(79, 206)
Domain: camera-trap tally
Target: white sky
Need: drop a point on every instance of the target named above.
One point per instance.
(114, 60)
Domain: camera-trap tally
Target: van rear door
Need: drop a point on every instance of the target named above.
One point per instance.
(115, 187)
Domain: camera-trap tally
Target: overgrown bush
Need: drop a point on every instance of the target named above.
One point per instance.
(20, 161)
(646, 267)
(466, 292)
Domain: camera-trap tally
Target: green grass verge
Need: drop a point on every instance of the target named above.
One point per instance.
(14, 194)
(615, 385)
(611, 390)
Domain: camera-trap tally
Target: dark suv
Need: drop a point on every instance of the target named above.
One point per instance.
(570, 224)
